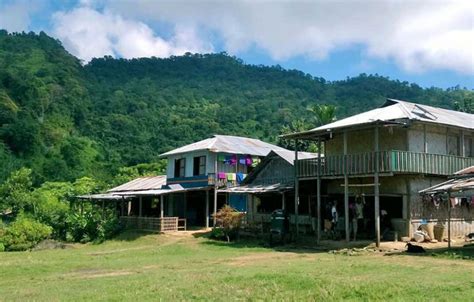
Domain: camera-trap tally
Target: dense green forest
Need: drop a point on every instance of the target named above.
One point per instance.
(65, 120)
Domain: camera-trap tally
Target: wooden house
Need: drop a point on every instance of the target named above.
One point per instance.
(204, 167)
(386, 156)
(271, 186)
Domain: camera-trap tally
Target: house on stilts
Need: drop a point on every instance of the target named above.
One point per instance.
(271, 186)
(192, 190)
(383, 158)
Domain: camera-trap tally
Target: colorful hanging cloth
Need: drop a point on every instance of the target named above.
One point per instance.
(221, 175)
(255, 161)
(221, 158)
(248, 160)
(233, 160)
(231, 176)
(240, 177)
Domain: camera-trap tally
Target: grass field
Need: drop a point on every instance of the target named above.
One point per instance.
(182, 267)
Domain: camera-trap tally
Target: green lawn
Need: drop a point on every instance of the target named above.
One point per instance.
(152, 267)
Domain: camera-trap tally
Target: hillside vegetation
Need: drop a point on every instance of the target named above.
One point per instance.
(65, 120)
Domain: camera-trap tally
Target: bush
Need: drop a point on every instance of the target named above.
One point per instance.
(228, 222)
(91, 226)
(24, 233)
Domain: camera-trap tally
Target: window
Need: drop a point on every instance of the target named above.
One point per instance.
(453, 145)
(179, 167)
(468, 145)
(199, 167)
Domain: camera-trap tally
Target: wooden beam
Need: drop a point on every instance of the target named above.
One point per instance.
(297, 187)
(376, 188)
(215, 191)
(207, 209)
(346, 189)
(162, 206)
(140, 206)
(449, 219)
(318, 194)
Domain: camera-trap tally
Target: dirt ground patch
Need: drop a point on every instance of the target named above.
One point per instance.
(257, 258)
(97, 273)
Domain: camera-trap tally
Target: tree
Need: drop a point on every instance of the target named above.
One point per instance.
(323, 114)
(15, 193)
(299, 125)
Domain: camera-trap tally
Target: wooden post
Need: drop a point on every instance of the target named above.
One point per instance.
(122, 207)
(140, 206)
(185, 196)
(463, 144)
(318, 194)
(207, 209)
(425, 149)
(376, 188)
(449, 219)
(283, 205)
(346, 189)
(297, 199)
(215, 191)
(162, 206)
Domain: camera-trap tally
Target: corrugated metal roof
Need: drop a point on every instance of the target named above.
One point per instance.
(160, 191)
(396, 110)
(466, 171)
(259, 188)
(228, 144)
(101, 197)
(452, 185)
(289, 156)
(142, 183)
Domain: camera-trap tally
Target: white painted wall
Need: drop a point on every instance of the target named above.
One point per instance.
(210, 158)
(190, 162)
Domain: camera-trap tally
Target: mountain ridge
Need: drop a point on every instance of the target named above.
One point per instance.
(66, 120)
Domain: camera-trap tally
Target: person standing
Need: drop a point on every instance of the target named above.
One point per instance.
(359, 213)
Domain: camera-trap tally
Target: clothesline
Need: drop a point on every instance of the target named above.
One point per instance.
(246, 160)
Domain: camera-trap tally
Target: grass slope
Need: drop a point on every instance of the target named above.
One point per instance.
(182, 267)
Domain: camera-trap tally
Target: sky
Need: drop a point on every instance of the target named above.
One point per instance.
(430, 43)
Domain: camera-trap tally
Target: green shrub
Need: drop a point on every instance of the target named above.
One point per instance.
(2, 247)
(91, 226)
(24, 233)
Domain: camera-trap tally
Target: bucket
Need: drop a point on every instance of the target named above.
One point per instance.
(438, 231)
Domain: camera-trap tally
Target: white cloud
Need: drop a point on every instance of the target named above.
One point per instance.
(15, 16)
(417, 35)
(88, 33)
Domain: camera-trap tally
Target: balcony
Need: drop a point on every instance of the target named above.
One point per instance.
(220, 182)
(401, 162)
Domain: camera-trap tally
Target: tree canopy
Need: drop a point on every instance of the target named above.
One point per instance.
(65, 120)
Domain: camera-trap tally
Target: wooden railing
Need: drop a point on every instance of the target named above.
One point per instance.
(393, 161)
(165, 224)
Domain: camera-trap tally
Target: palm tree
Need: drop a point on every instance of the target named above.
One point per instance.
(323, 114)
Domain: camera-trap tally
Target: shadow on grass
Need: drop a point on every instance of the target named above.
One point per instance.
(131, 235)
(465, 252)
(304, 244)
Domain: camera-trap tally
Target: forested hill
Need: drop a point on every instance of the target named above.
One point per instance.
(66, 120)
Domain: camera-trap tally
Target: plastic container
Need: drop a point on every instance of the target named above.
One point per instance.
(438, 231)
